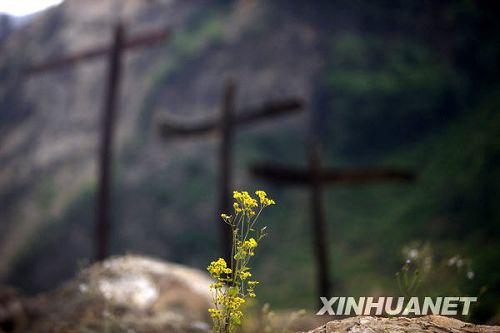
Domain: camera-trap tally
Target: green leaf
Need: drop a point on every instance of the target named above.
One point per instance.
(236, 320)
(233, 291)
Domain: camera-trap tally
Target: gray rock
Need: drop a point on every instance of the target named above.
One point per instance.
(433, 324)
(126, 294)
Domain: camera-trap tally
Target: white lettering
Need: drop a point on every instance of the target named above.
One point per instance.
(378, 306)
(449, 309)
(399, 307)
(467, 301)
(352, 305)
(412, 307)
(433, 306)
(327, 306)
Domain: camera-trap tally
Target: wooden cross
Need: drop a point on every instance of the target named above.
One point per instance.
(225, 125)
(114, 52)
(315, 178)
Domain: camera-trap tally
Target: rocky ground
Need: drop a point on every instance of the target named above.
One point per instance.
(124, 294)
(433, 324)
(144, 295)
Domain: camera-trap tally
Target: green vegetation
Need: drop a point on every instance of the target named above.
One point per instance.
(31, 270)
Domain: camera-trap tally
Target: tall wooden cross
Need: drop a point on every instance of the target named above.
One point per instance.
(315, 178)
(114, 52)
(226, 125)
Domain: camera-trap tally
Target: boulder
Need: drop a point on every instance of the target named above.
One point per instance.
(432, 324)
(125, 294)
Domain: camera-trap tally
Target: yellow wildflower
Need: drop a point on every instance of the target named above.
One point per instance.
(219, 267)
(237, 208)
(215, 313)
(244, 275)
(264, 200)
(251, 243)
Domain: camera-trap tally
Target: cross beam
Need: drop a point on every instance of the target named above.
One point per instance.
(226, 124)
(172, 128)
(134, 42)
(114, 51)
(296, 176)
(316, 178)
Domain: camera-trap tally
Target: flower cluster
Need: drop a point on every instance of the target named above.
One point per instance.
(232, 285)
(218, 268)
(264, 200)
(246, 204)
(246, 248)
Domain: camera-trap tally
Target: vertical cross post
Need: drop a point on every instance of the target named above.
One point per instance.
(318, 222)
(225, 168)
(103, 204)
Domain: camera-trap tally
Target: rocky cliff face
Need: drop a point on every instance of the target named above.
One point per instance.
(49, 121)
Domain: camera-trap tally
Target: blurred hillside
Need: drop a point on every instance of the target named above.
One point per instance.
(406, 83)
